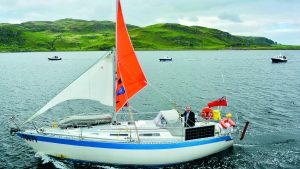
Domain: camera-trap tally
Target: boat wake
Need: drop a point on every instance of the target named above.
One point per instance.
(46, 159)
(106, 167)
(245, 145)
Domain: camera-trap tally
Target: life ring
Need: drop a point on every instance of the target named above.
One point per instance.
(228, 121)
(207, 113)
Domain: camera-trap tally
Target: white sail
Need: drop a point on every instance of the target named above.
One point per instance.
(95, 84)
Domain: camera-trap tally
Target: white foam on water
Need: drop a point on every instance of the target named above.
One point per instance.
(107, 167)
(47, 159)
(244, 145)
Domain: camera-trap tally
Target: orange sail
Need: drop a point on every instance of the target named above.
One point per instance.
(130, 76)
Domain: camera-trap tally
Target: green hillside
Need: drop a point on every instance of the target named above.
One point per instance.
(81, 35)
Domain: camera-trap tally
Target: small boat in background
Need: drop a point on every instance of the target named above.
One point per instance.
(54, 58)
(165, 59)
(279, 59)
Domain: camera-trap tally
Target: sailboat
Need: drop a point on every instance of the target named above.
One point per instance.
(113, 80)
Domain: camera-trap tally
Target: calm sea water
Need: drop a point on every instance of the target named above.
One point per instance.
(266, 94)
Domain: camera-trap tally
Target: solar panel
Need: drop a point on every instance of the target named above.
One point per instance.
(199, 132)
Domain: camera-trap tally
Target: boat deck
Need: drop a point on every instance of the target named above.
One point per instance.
(148, 132)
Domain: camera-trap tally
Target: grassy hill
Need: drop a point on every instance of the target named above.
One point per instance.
(76, 35)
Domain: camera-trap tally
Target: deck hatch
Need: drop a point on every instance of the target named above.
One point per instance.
(150, 134)
(119, 134)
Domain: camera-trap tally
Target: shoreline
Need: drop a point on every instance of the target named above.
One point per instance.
(146, 50)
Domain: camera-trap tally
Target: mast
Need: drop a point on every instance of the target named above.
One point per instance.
(115, 66)
(115, 57)
(114, 84)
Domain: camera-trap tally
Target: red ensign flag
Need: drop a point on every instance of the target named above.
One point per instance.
(220, 102)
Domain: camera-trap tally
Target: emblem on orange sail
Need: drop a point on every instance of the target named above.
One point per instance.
(121, 95)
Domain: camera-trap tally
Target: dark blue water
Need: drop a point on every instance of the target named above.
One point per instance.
(266, 94)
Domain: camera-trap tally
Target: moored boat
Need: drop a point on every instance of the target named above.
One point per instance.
(55, 58)
(279, 59)
(165, 59)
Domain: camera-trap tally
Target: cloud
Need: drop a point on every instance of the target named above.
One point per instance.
(255, 18)
(230, 17)
(282, 32)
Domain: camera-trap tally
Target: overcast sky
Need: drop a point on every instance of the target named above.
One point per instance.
(278, 20)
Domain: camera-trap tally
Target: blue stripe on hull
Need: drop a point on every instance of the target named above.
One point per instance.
(36, 138)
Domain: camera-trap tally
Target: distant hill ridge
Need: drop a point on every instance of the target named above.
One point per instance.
(82, 35)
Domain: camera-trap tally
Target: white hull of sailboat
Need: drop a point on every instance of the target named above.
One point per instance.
(127, 153)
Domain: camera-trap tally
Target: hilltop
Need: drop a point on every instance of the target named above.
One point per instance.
(82, 35)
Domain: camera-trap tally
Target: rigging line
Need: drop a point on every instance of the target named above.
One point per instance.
(161, 93)
(136, 110)
(97, 61)
(223, 78)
